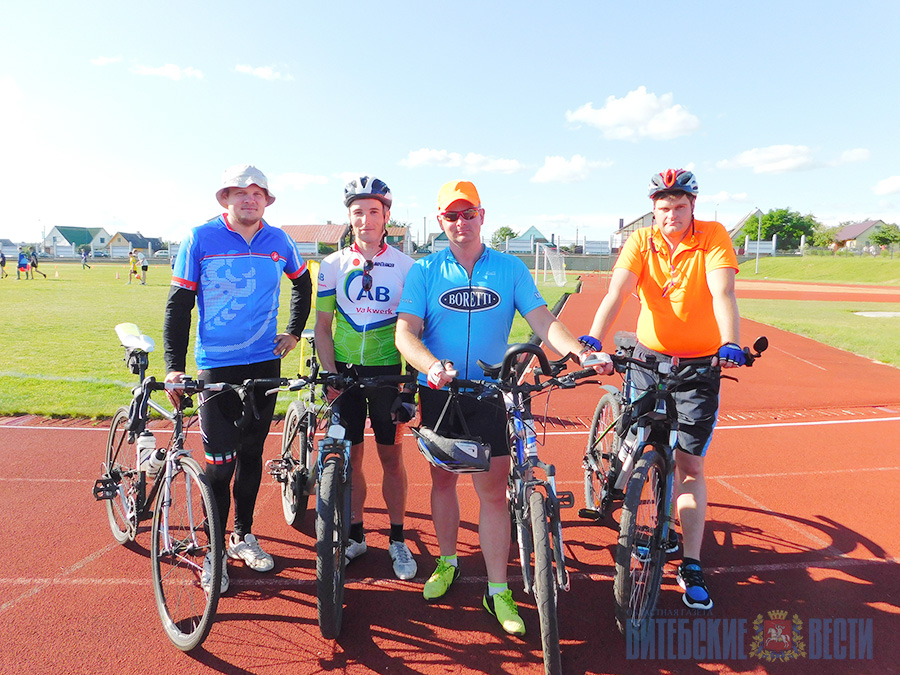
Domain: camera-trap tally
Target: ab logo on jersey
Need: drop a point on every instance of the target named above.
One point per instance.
(469, 299)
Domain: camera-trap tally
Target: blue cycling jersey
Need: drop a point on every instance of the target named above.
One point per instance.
(466, 319)
(237, 286)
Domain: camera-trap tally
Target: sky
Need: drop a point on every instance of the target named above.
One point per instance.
(123, 115)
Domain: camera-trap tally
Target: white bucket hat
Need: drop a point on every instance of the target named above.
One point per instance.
(243, 175)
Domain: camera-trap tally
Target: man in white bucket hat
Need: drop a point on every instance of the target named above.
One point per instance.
(231, 267)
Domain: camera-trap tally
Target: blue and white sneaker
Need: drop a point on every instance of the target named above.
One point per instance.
(690, 578)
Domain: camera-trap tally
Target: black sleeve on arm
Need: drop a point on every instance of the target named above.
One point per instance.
(301, 299)
(177, 327)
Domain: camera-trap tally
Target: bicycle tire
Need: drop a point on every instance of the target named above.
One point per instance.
(187, 611)
(332, 530)
(600, 452)
(545, 591)
(297, 452)
(120, 457)
(639, 554)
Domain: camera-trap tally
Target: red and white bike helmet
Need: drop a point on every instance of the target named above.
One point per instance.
(673, 180)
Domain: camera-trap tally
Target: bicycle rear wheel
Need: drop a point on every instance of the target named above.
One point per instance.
(120, 459)
(297, 453)
(545, 591)
(185, 530)
(639, 555)
(332, 530)
(603, 444)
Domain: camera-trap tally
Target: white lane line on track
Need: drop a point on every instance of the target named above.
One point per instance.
(39, 585)
(719, 427)
(794, 356)
(282, 583)
(818, 541)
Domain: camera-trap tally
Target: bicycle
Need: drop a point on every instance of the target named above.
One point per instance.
(187, 541)
(534, 502)
(633, 458)
(332, 481)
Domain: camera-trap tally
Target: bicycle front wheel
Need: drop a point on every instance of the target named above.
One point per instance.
(332, 530)
(545, 591)
(186, 530)
(120, 466)
(297, 453)
(639, 554)
(603, 444)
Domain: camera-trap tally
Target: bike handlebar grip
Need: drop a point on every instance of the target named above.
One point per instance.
(579, 374)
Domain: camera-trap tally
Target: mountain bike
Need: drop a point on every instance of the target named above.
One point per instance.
(187, 541)
(534, 502)
(641, 458)
(331, 481)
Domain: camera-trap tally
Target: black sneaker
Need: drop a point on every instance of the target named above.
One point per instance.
(690, 578)
(671, 545)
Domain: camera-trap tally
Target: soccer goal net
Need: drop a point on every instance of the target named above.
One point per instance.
(550, 259)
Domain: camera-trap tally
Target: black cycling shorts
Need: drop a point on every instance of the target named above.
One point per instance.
(222, 441)
(485, 418)
(375, 403)
(697, 403)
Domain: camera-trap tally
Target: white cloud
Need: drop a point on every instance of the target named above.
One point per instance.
(472, 162)
(558, 169)
(105, 60)
(723, 197)
(169, 70)
(639, 114)
(296, 181)
(855, 155)
(264, 72)
(888, 186)
(773, 159)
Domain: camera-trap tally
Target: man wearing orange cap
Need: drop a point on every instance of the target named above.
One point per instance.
(232, 267)
(457, 307)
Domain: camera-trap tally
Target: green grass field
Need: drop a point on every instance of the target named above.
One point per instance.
(61, 356)
(882, 270)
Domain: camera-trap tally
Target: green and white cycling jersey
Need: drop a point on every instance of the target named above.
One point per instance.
(364, 319)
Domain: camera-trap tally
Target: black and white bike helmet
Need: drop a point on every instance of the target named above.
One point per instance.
(367, 187)
(456, 455)
(673, 180)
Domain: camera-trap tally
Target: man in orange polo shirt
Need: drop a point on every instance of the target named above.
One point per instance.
(683, 271)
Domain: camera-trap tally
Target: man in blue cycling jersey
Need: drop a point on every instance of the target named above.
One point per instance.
(231, 267)
(356, 312)
(457, 307)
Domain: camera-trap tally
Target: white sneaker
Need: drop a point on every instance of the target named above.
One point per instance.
(355, 548)
(206, 575)
(404, 563)
(250, 552)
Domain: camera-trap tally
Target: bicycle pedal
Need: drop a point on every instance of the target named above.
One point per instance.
(566, 499)
(590, 514)
(105, 488)
(277, 468)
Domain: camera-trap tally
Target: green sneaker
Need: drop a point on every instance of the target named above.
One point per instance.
(503, 607)
(439, 582)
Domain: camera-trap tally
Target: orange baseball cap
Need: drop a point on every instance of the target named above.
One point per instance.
(457, 189)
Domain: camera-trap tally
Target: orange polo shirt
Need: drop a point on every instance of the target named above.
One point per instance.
(676, 315)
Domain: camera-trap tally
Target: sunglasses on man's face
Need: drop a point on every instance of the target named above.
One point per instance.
(368, 265)
(453, 216)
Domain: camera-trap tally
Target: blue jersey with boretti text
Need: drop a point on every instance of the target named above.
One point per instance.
(466, 319)
(237, 286)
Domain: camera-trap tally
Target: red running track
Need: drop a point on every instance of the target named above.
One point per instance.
(802, 518)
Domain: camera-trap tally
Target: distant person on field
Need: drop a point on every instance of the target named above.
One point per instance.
(3, 273)
(84, 256)
(231, 268)
(142, 261)
(132, 265)
(22, 264)
(683, 271)
(34, 264)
